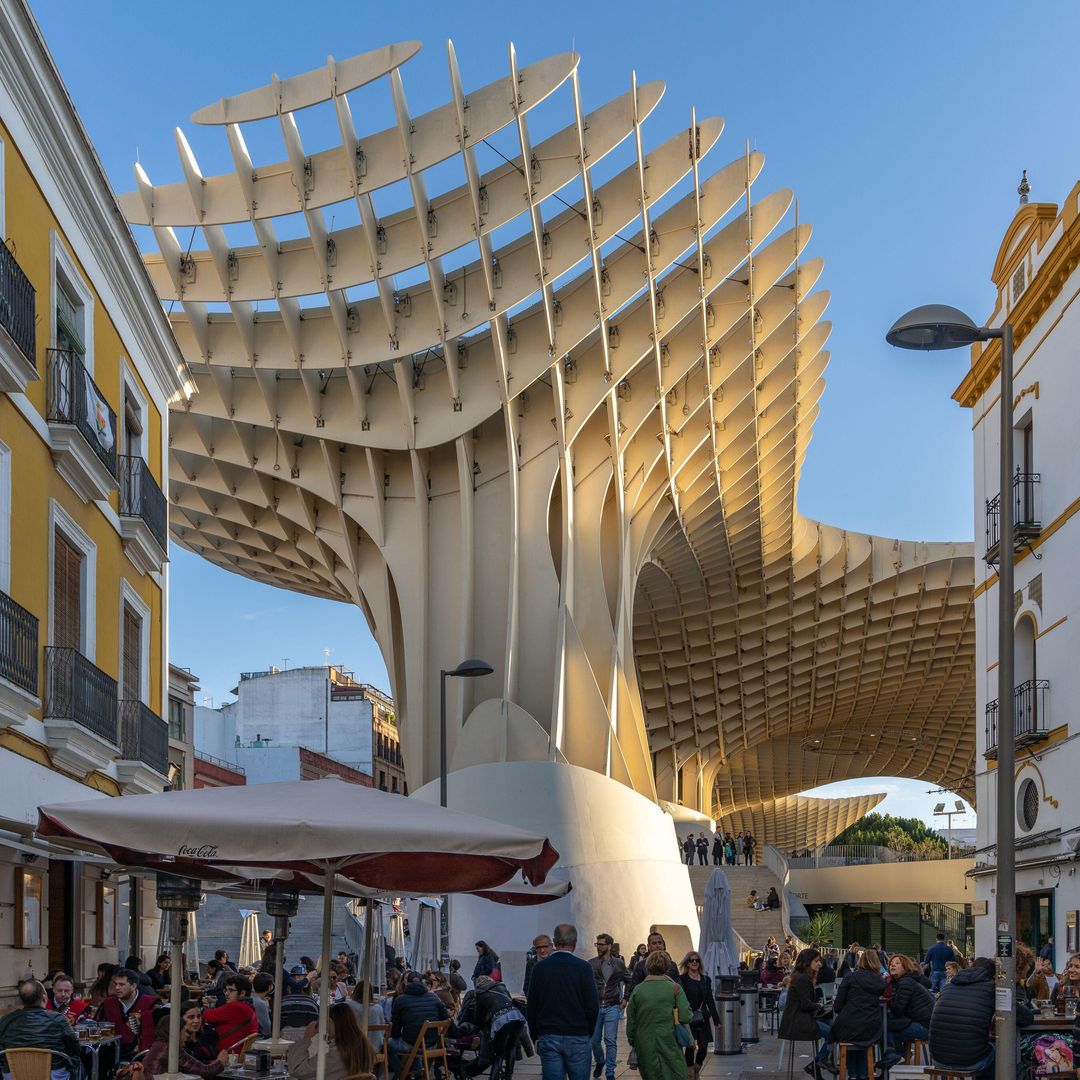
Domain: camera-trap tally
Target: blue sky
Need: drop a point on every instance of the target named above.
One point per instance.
(902, 128)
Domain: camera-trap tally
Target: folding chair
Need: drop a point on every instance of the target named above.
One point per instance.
(379, 1064)
(428, 1054)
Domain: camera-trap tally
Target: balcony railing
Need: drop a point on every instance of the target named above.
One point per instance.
(144, 736)
(76, 690)
(17, 300)
(1029, 716)
(74, 398)
(18, 644)
(1026, 515)
(140, 497)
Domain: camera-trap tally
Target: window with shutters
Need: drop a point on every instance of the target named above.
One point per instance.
(131, 685)
(1019, 282)
(67, 593)
(72, 306)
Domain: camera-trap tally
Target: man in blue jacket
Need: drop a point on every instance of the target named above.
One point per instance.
(937, 956)
(563, 1008)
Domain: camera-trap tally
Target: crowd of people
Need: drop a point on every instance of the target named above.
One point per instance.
(568, 1013)
(727, 850)
(942, 999)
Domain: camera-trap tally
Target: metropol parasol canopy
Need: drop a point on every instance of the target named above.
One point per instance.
(522, 382)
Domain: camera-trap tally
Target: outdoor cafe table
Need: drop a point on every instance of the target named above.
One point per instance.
(90, 1053)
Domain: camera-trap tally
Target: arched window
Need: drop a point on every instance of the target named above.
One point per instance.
(1025, 672)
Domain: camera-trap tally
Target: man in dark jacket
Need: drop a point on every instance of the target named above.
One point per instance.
(35, 1026)
(541, 950)
(654, 943)
(612, 986)
(688, 850)
(962, 1019)
(937, 956)
(415, 1004)
(563, 1009)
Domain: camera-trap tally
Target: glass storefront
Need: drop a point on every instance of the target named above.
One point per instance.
(901, 928)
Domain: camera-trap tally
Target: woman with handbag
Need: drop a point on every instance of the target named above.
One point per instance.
(698, 989)
(657, 1016)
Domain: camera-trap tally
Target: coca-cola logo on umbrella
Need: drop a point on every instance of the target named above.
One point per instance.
(203, 851)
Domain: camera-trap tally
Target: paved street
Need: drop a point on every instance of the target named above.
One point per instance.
(757, 1062)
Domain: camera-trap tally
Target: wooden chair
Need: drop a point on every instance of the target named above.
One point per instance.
(29, 1063)
(941, 1073)
(379, 1065)
(857, 1048)
(428, 1054)
(917, 1053)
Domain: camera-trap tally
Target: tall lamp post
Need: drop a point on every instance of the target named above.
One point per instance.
(467, 669)
(940, 811)
(933, 327)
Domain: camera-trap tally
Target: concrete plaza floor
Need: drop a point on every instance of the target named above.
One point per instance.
(757, 1062)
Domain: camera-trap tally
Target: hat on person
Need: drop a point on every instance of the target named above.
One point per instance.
(298, 969)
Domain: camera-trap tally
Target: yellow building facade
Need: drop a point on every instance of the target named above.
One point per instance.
(87, 369)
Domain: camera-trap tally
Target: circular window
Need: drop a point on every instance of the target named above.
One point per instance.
(1027, 805)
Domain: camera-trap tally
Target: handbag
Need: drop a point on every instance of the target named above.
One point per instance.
(683, 1035)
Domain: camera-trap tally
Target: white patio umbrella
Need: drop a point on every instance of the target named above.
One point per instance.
(519, 893)
(313, 827)
(719, 954)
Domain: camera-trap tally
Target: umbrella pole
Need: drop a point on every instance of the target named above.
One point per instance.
(369, 919)
(324, 969)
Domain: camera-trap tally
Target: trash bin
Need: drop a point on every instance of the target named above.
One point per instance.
(728, 1038)
(749, 1013)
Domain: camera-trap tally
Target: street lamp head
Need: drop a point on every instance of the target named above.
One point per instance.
(934, 326)
(471, 669)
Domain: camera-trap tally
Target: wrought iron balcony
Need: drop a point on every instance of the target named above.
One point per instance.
(18, 645)
(82, 426)
(1029, 716)
(140, 497)
(78, 693)
(17, 314)
(1026, 515)
(144, 736)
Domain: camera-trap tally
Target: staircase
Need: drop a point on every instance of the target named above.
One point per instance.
(754, 927)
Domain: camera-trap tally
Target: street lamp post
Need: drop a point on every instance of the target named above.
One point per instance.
(940, 811)
(933, 327)
(467, 669)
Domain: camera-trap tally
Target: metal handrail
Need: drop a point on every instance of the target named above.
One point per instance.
(144, 736)
(18, 644)
(68, 403)
(17, 304)
(220, 762)
(79, 691)
(141, 497)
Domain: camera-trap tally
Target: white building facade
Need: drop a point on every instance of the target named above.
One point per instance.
(1038, 283)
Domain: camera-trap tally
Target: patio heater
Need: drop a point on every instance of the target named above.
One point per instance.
(177, 897)
(282, 903)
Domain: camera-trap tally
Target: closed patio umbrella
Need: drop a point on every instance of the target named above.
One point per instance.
(313, 827)
(719, 954)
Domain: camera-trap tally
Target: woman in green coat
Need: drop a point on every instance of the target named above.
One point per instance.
(650, 1024)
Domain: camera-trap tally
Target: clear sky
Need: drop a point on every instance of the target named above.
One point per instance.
(902, 128)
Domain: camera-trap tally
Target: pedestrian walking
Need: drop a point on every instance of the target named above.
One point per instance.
(654, 943)
(649, 1027)
(541, 950)
(749, 843)
(612, 987)
(698, 989)
(563, 1009)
